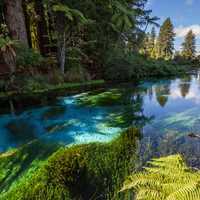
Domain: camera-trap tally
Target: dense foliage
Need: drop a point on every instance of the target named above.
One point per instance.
(82, 44)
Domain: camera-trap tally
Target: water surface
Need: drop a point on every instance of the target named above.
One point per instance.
(166, 111)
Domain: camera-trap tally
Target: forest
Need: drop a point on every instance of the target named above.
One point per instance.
(49, 43)
(96, 102)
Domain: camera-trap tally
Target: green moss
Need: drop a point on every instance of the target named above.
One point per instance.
(81, 172)
(111, 97)
(16, 162)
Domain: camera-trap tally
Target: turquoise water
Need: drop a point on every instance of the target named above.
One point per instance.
(166, 111)
(65, 123)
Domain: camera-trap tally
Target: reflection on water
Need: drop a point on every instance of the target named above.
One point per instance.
(175, 107)
(185, 86)
(166, 111)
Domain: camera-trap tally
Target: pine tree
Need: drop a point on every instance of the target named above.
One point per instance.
(189, 46)
(152, 43)
(148, 44)
(144, 50)
(166, 40)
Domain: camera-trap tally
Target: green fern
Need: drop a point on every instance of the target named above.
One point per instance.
(123, 17)
(166, 179)
(70, 14)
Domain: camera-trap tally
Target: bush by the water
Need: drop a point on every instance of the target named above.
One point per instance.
(122, 66)
(27, 57)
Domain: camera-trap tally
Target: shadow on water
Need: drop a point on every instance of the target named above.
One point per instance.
(21, 131)
(15, 163)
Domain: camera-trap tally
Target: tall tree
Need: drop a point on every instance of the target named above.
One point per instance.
(152, 43)
(42, 27)
(189, 46)
(149, 44)
(15, 20)
(67, 19)
(166, 40)
(145, 45)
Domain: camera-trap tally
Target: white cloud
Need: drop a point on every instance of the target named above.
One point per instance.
(181, 31)
(189, 2)
(150, 3)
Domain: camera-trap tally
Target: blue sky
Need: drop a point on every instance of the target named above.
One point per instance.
(185, 15)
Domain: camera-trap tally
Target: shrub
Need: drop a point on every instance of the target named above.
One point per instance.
(122, 66)
(77, 74)
(55, 77)
(34, 83)
(27, 57)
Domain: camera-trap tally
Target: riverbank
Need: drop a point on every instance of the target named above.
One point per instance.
(38, 91)
(51, 88)
(38, 87)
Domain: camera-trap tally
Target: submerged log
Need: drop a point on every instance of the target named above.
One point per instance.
(192, 135)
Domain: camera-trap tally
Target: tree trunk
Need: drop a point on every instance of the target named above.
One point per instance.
(62, 52)
(12, 108)
(15, 20)
(42, 28)
(2, 18)
(9, 57)
(27, 23)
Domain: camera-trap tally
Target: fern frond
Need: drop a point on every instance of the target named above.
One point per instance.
(150, 195)
(166, 178)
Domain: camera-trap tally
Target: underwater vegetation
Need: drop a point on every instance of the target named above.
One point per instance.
(90, 171)
(127, 102)
(104, 98)
(166, 178)
(15, 162)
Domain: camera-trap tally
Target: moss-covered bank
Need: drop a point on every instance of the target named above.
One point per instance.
(40, 89)
(92, 171)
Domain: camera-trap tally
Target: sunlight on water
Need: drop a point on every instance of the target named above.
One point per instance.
(66, 123)
(166, 110)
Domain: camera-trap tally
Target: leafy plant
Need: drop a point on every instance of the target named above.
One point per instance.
(166, 179)
(27, 57)
(77, 74)
(8, 52)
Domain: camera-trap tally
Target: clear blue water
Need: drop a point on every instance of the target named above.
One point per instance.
(65, 123)
(166, 111)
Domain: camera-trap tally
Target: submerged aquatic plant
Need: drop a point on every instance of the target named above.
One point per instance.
(88, 171)
(166, 179)
(106, 98)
